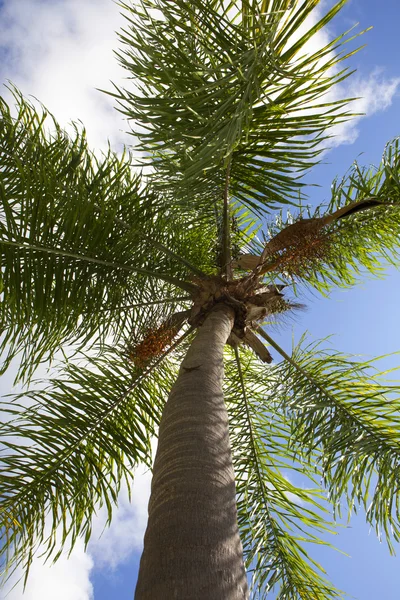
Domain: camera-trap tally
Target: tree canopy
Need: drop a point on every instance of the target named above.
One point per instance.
(107, 269)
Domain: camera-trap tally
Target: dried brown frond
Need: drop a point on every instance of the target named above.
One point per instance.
(302, 252)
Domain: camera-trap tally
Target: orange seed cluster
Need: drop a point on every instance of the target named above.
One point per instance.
(153, 344)
(302, 255)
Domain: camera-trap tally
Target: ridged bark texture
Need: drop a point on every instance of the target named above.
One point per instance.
(192, 549)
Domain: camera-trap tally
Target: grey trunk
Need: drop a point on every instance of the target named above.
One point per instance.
(192, 549)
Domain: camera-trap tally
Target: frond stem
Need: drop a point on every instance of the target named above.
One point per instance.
(260, 478)
(152, 303)
(108, 412)
(350, 414)
(164, 249)
(252, 441)
(184, 285)
(226, 237)
(180, 259)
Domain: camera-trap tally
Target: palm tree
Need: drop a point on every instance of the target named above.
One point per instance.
(143, 288)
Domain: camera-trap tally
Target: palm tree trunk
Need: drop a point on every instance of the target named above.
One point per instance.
(192, 549)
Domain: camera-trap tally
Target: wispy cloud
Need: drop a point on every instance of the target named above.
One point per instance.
(67, 579)
(374, 93)
(60, 51)
(70, 577)
(114, 545)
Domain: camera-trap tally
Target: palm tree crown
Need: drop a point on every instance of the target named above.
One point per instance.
(109, 270)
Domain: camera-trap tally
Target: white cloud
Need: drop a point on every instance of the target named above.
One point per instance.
(67, 579)
(375, 93)
(114, 545)
(60, 51)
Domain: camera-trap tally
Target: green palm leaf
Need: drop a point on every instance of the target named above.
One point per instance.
(278, 520)
(226, 86)
(365, 242)
(76, 236)
(345, 411)
(69, 446)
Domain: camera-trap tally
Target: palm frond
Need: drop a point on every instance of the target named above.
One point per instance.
(76, 236)
(277, 518)
(328, 251)
(221, 84)
(68, 447)
(345, 411)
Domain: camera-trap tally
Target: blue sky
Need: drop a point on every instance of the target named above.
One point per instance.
(60, 51)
